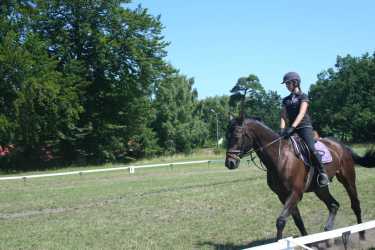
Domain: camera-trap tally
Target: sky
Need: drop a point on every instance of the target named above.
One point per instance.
(216, 41)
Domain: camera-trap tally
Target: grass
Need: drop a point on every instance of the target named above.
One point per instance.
(185, 207)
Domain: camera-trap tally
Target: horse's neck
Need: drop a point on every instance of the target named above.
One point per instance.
(263, 135)
(268, 153)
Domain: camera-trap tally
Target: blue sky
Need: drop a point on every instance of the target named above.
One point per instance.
(216, 42)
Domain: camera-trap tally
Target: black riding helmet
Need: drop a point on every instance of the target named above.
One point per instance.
(291, 76)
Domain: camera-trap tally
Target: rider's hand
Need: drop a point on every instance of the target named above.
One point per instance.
(288, 132)
(281, 132)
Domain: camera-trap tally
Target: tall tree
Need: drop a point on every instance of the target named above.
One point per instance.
(80, 75)
(36, 106)
(246, 87)
(177, 123)
(120, 52)
(344, 97)
(256, 101)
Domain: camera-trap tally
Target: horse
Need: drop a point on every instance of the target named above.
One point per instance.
(287, 174)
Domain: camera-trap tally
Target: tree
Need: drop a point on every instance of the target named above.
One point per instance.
(80, 75)
(245, 86)
(120, 53)
(343, 99)
(37, 106)
(177, 123)
(220, 105)
(255, 101)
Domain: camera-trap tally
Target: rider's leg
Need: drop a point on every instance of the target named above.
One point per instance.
(308, 136)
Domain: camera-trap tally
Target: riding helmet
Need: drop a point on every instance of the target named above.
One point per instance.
(291, 76)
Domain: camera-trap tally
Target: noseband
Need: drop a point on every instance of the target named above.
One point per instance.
(234, 154)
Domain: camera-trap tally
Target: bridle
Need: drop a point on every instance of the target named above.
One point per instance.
(238, 154)
(234, 154)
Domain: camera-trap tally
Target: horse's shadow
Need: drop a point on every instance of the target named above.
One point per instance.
(321, 245)
(231, 246)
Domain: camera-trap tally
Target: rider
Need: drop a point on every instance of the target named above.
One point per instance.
(294, 109)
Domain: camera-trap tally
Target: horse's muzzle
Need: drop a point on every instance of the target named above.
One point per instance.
(232, 161)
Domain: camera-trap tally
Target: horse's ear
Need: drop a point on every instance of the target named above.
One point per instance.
(242, 115)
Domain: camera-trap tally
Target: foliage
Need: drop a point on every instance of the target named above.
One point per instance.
(78, 75)
(87, 81)
(121, 52)
(343, 99)
(37, 105)
(256, 101)
(211, 108)
(245, 85)
(177, 124)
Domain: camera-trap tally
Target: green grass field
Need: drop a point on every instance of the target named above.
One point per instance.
(184, 207)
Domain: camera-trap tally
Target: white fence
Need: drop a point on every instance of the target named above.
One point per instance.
(131, 170)
(290, 243)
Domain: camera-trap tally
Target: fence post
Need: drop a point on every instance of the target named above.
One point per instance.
(131, 170)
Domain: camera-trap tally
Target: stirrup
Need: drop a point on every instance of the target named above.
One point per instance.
(326, 177)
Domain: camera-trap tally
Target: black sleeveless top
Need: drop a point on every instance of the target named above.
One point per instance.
(292, 103)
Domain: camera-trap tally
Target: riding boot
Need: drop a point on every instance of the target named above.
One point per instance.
(323, 179)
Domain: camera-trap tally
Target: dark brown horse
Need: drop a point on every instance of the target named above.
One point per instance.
(286, 173)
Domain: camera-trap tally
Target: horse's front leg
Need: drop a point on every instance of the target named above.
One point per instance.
(290, 203)
(298, 221)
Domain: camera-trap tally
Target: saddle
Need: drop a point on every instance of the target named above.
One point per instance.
(303, 153)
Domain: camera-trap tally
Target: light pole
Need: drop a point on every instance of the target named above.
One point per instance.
(217, 127)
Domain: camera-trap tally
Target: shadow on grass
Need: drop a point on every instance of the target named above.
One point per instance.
(321, 245)
(231, 246)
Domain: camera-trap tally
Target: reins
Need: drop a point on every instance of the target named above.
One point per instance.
(252, 157)
(261, 148)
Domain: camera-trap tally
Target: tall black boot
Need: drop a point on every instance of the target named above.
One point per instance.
(323, 179)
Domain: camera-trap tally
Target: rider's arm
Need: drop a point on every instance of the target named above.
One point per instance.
(283, 118)
(301, 114)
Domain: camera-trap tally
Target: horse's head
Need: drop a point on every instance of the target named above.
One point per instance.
(238, 142)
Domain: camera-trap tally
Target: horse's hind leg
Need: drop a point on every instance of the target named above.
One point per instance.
(332, 205)
(349, 183)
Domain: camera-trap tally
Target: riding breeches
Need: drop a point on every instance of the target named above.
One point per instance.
(307, 135)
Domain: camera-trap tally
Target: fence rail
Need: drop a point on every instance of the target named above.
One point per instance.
(131, 169)
(290, 242)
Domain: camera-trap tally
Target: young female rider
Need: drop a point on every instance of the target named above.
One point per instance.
(294, 110)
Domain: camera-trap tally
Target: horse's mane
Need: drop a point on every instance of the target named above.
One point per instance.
(259, 121)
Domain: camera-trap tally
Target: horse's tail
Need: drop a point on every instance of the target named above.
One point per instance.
(368, 160)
